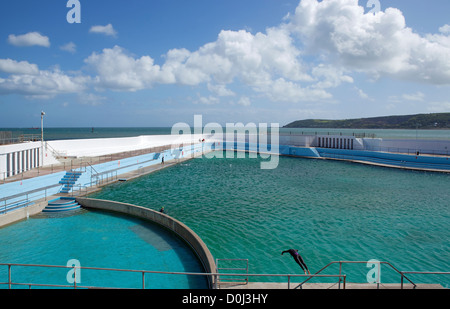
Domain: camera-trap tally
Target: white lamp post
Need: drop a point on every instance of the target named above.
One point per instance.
(42, 126)
(42, 137)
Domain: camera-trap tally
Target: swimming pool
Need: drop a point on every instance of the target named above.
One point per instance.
(97, 239)
(328, 210)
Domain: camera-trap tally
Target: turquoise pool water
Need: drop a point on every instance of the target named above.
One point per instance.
(328, 210)
(97, 239)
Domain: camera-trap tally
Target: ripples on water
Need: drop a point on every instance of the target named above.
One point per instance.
(328, 210)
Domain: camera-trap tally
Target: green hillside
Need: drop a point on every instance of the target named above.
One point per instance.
(422, 121)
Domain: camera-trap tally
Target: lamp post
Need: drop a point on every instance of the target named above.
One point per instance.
(42, 137)
(417, 138)
(42, 126)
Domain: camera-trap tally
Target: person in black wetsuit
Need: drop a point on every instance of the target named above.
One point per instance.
(298, 258)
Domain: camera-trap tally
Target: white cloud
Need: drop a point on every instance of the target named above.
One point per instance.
(210, 100)
(14, 67)
(394, 99)
(418, 96)
(317, 48)
(329, 76)
(439, 107)
(244, 101)
(379, 44)
(445, 29)
(362, 94)
(409, 97)
(91, 99)
(243, 56)
(106, 30)
(337, 34)
(25, 80)
(29, 39)
(220, 90)
(282, 90)
(258, 61)
(69, 47)
(118, 71)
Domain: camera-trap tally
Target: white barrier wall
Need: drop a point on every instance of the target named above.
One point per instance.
(106, 146)
(19, 158)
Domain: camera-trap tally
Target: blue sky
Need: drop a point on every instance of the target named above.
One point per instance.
(155, 63)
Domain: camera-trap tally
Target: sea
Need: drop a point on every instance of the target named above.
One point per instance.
(103, 132)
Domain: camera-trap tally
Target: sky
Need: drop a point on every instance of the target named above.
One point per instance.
(154, 63)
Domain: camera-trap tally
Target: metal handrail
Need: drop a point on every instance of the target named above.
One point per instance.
(342, 277)
(80, 187)
(15, 198)
(122, 167)
(423, 273)
(359, 262)
(232, 268)
(101, 180)
(54, 151)
(10, 283)
(90, 165)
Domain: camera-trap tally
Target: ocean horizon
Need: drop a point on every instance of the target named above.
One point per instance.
(64, 133)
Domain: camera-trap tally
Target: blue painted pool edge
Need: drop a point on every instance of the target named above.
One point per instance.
(395, 160)
(414, 162)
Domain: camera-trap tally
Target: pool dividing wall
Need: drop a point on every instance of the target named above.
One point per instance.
(405, 161)
(418, 162)
(164, 220)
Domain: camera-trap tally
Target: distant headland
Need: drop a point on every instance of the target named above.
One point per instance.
(420, 121)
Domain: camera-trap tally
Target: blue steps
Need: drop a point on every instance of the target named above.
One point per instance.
(69, 179)
(61, 204)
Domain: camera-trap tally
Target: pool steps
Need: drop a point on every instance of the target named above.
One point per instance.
(61, 204)
(69, 179)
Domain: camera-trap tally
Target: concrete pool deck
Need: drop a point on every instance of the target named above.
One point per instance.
(326, 286)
